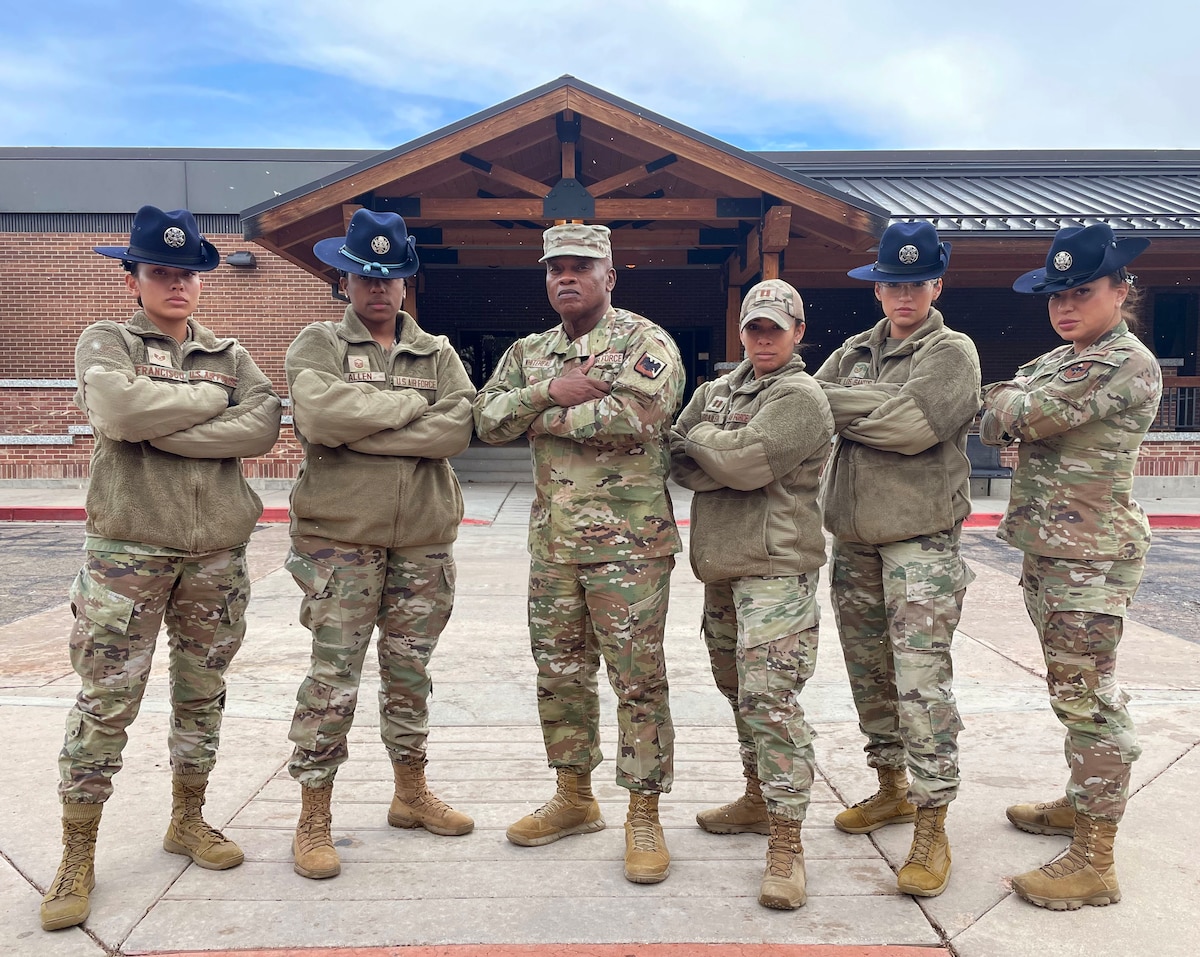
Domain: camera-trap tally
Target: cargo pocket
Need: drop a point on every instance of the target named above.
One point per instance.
(774, 650)
(100, 639)
(933, 601)
(228, 639)
(312, 577)
(642, 655)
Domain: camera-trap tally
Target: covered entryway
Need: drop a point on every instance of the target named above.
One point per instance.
(694, 220)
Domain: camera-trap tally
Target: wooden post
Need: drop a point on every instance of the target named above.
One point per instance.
(770, 265)
(733, 339)
(568, 151)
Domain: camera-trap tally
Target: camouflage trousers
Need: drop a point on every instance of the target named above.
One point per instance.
(761, 635)
(119, 601)
(1078, 608)
(897, 606)
(348, 590)
(618, 610)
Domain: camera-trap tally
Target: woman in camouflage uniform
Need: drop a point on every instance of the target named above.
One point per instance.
(751, 445)
(1080, 412)
(895, 493)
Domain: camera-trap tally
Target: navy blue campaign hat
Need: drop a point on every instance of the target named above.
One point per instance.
(1078, 255)
(376, 244)
(166, 239)
(908, 252)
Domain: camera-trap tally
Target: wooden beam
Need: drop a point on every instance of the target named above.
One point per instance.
(630, 176)
(777, 221)
(569, 151)
(504, 175)
(413, 161)
(846, 225)
(740, 274)
(499, 238)
(435, 208)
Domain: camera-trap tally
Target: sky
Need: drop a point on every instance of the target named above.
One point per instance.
(838, 74)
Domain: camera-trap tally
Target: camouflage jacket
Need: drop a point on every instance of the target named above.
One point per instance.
(170, 422)
(752, 450)
(600, 468)
(1080, 418)
(899, 467)
(377, 428)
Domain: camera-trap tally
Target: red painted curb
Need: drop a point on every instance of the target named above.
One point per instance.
(581, 950)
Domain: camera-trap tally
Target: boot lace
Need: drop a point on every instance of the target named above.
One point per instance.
(783, 847)
(553, 806)
(1054, 805)
(923, 840)
(314, 832)
(193, 817)
(1078, 855)
(77, 856)
(641, 820)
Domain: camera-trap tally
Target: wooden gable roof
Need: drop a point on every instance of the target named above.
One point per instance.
(479, 192)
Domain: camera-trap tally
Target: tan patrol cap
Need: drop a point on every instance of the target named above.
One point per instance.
(576, 239)
(773, 299)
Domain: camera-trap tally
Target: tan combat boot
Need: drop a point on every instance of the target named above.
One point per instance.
(647, 860)
(312, 847)
(414, 805)
(888, 805)
(572, 810)
(189, 835)
(783, 883)
(1084, 875)
(927, 870)
(1050, 817)
(66, 902)
(746, 815)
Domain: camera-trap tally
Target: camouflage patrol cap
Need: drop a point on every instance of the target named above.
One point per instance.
(773, 299)
(576, 239)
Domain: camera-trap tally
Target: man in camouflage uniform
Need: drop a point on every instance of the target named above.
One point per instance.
(595, 396)
(1080, 413)
(172, 409)
(895, 493)
(380, 406)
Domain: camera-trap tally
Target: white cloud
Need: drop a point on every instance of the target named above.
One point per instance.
(768, 74)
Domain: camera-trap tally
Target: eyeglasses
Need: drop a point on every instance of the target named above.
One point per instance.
(910, 286)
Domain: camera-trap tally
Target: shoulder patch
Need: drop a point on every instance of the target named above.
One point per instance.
(1076, 372)
(649, 366)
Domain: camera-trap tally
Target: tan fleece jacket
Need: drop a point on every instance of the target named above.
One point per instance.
(170, 422)
(752, 449)
(902, 409)
(377, 428)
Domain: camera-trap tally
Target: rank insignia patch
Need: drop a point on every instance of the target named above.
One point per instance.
(1076, 372)
(649, 366)
(358, 363)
